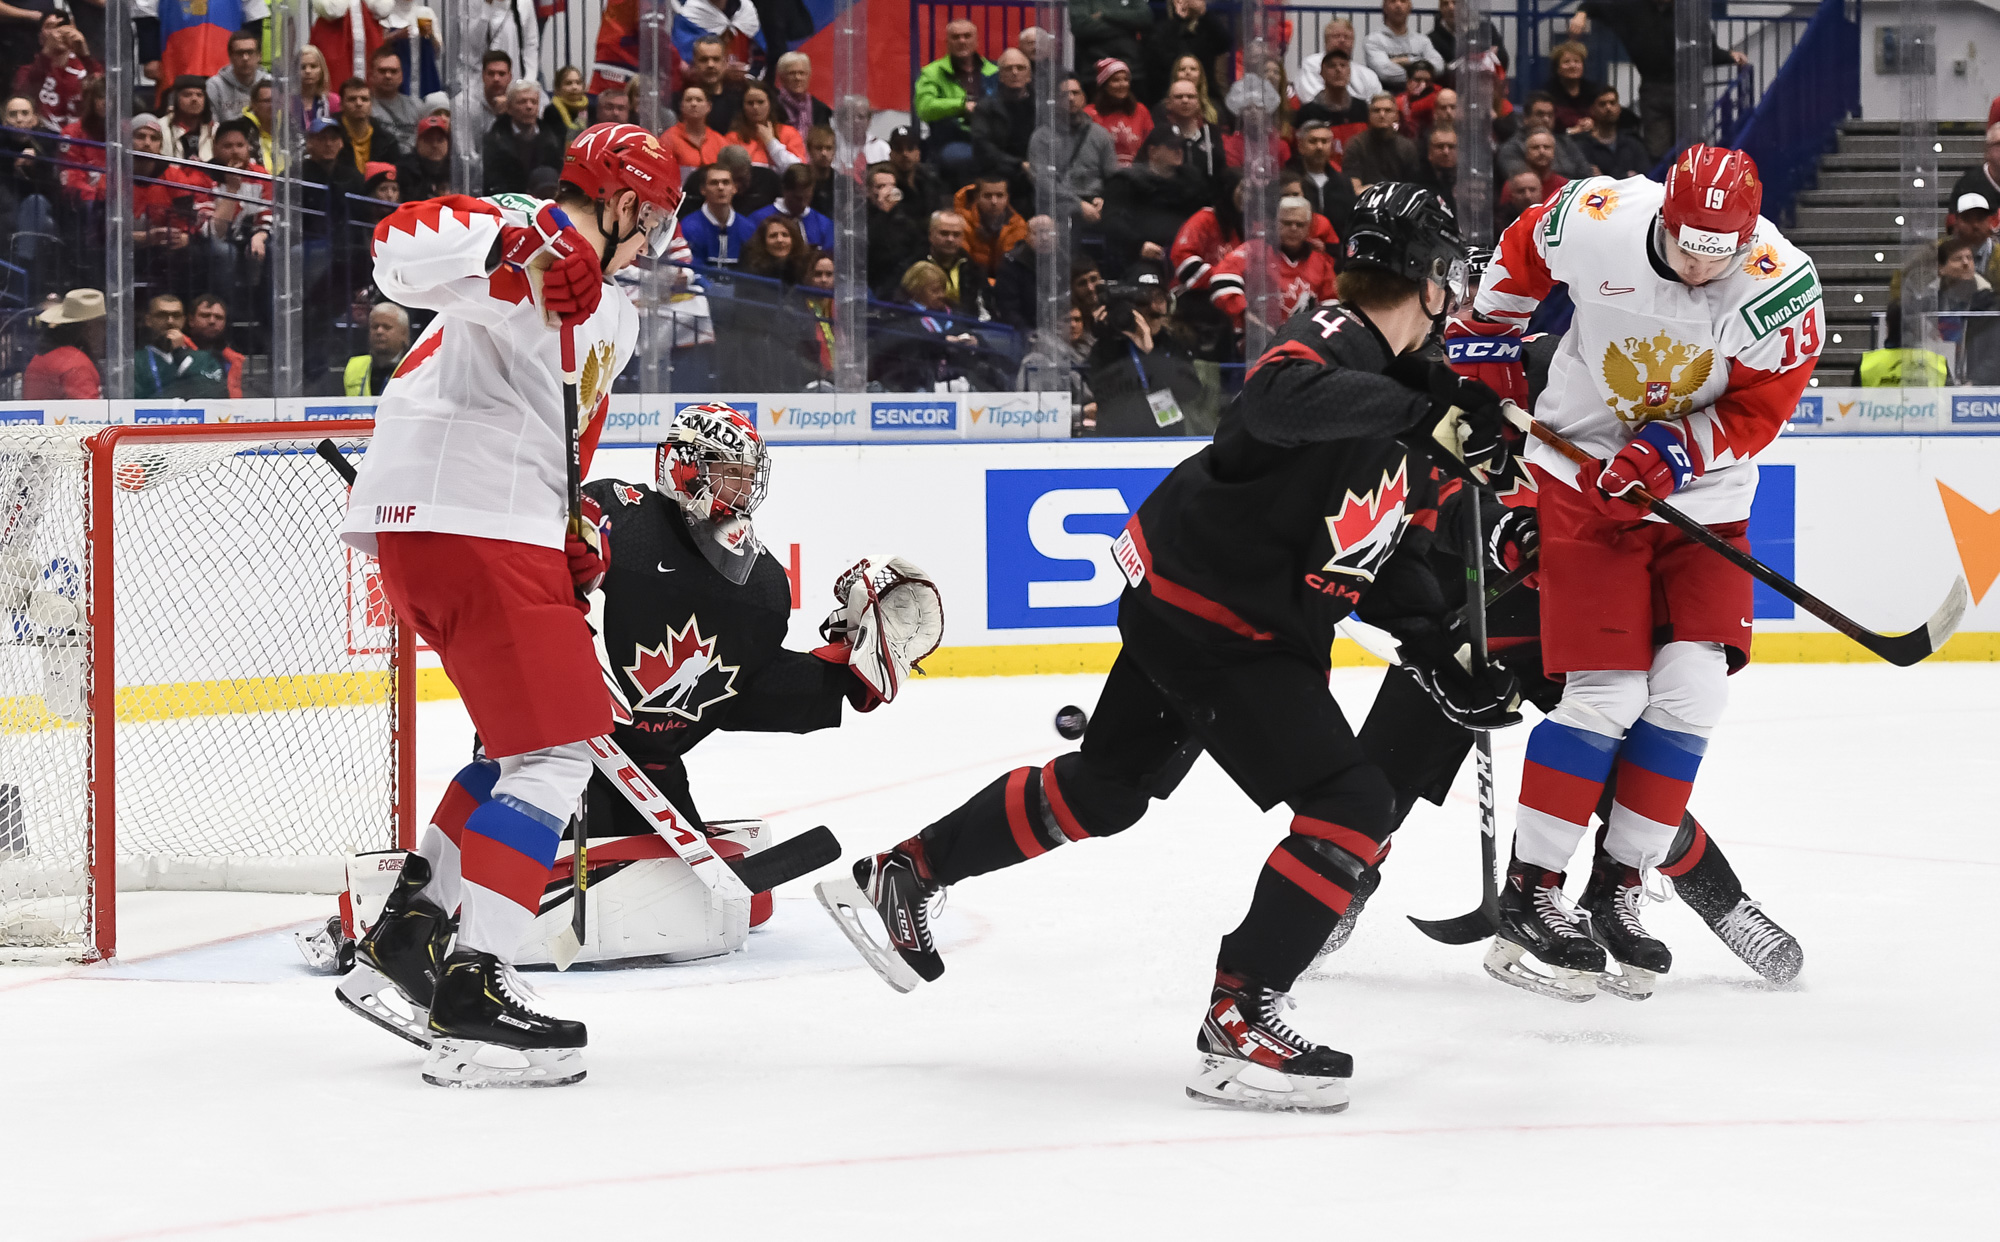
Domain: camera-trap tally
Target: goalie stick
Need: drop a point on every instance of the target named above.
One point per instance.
(1902, 650)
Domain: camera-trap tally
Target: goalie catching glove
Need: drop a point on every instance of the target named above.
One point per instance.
(890, 618)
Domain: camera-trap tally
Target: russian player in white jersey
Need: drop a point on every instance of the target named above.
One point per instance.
(1696, 329)
(463, 496)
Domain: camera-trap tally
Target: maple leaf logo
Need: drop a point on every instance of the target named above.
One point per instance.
(1364, 532)
(681, 676)
(627, 495)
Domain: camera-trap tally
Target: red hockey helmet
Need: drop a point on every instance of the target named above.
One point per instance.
(1713, 198)
(606, 160)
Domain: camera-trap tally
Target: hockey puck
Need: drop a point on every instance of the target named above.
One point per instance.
(1071, 722)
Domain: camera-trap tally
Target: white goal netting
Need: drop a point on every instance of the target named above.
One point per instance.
(191, 665)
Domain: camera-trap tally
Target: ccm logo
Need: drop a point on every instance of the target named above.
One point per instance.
(1504, 350)
(395, 515)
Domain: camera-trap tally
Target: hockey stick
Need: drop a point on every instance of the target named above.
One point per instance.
(571, 378)
(1483, 921)
(330, 453)
(1902, 650)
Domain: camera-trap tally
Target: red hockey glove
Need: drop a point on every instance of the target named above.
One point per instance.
(1657, 459)
(573, 283)
(589, 553)
(1489, 352)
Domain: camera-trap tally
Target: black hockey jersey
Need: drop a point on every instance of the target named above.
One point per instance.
(692, 652)
(1305, 508)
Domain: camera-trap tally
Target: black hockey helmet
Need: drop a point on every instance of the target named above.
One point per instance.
(1409, 231)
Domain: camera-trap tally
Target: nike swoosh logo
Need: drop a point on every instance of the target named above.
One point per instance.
(665, 570)
(1607, 288)
(1746, 625)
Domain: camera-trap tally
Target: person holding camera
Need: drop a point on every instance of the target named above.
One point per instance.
(1144, 378)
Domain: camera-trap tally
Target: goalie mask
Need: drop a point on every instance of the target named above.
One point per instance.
(714, 466)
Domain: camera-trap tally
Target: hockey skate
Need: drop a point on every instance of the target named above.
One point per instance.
(1612, 901)
(1712, 891)
(1250, 1059)
(1538, 924)
(396, 964)
(887, 893)
(483, 1033)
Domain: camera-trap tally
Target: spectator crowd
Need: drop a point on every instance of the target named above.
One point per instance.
(1147, 151)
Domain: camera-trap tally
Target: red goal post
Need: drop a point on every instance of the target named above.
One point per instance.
(201, 687)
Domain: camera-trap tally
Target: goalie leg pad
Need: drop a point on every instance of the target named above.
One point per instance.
(649, 907)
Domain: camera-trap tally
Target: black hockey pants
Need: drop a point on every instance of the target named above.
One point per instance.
(1268, 721)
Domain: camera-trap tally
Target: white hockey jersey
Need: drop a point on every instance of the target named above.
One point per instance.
(469, 431)
(1725, 362)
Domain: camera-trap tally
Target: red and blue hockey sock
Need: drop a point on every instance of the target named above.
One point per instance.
(1561, 783)
(1657, 765)
(440, 847)
(507, 847)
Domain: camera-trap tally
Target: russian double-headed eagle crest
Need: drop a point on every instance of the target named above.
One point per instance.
(1654, 379)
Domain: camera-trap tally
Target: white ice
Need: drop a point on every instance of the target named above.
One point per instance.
(204, 1085)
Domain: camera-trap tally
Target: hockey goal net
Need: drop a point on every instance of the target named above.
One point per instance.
(200, 685)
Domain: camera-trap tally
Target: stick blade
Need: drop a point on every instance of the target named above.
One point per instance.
(563, 948)
(787, 860)
(1465, 929)
(1918, 645)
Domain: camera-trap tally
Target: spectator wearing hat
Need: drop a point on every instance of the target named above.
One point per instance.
(1146, 205)
(1112, 30)
(367, 143)
(378, 181)
(1983, 179)
(65, 368)
(191, 124)
(1338, 35)
(1119, 111)
(1083, 154)
(1335, 103)
(1609, 148)
(992, 226)
(923, 190)
(946, 94)
(328, 166)
(230, 86)
(518, 144)
(426, 171)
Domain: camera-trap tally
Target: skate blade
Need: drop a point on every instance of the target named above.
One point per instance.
(472, 1064)
(1631, 983)
(369, 992)
(1222, 1081)
(1503, 962)
(856, 916)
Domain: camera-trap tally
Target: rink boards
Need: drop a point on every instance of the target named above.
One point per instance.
(1018, 537)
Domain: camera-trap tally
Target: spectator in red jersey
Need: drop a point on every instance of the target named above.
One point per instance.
(1299, 273)
(73, 341)
(1119, 112)
(86, 184)
(55, 77)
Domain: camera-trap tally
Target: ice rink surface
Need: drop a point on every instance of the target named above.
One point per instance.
(205, 1085)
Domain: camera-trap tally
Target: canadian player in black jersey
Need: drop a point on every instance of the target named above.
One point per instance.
(1315, 500)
